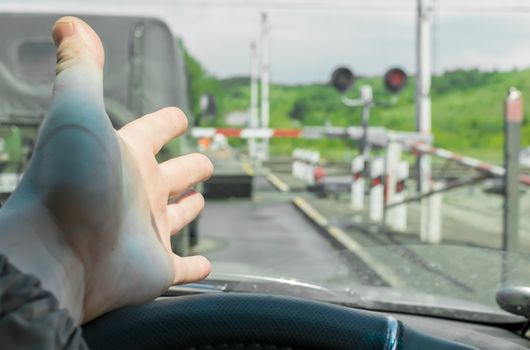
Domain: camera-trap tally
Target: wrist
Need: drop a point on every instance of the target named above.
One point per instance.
(34, 244)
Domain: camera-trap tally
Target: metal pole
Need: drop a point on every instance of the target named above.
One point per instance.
(423, 108)
(265, 73)
(364, 141)
(367, 101)
(513, 114)
(254, 121)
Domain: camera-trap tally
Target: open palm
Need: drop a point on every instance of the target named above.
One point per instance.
(104, 190)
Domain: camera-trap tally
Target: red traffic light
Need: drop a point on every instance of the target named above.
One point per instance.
(342, 79)
(395, 79)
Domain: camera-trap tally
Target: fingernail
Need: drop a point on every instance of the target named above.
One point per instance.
(67, 29)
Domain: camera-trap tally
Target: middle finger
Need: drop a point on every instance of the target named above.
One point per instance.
(183, 172)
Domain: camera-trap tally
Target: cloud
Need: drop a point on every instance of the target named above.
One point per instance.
(307, 45)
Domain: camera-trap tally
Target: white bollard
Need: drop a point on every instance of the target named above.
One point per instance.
(377, 191)
(303, 165)
(397, 216)
(357, 184)
(307, 165)
(433, 234)
(295, 169)
(393, 157)
(313, 160)
(300, 165)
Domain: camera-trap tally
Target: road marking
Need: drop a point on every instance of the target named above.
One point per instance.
(248, 168)
(383, 271)
(311, 212)
(277, 182)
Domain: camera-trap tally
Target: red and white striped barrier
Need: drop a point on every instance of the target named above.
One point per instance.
(357, 184)
(492, 169)
(376, 136)
(246, 133)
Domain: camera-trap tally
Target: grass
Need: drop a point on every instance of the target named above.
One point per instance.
(467, 111)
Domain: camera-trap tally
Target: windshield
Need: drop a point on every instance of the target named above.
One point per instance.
(369, 153)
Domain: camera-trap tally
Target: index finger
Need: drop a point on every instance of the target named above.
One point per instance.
(156, 129)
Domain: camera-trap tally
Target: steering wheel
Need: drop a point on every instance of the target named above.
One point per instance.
(252, 321)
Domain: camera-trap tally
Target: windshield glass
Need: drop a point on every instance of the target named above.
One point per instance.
(370, 153)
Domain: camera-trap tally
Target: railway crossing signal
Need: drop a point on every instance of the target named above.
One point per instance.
(342, 79)
(395, 79)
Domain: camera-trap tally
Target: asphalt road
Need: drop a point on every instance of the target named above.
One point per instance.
(270, 239)
(268, 236)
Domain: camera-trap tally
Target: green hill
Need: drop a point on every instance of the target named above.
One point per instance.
(467, 110)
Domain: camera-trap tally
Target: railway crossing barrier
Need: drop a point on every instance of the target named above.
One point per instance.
(388, 197)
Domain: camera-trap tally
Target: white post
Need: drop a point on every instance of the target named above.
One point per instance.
(313, 160)
(308, 166)
(254, 121)
(300, 164)
(377, 189)
(393, 157)
(357, 185)
(435, 216)
(367, 100)
(398, 215)
(265, 75)
(423, 108)
(300, 168)
(305, 160)
(295, 169)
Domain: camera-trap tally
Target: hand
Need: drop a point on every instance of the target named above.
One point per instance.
(91, 216)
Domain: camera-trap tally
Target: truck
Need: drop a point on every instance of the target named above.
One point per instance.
(144, 71)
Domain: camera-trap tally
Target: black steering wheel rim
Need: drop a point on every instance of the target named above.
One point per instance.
(241, 321)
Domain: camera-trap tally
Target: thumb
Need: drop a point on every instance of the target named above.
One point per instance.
(80, 56)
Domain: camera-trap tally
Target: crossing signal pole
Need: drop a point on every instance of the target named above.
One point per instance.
(254, 119)
(265, 76)
(423, 112)
(513, 118)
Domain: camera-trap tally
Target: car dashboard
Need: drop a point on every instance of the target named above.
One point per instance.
(234, 320)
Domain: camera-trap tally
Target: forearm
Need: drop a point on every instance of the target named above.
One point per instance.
(29, 239)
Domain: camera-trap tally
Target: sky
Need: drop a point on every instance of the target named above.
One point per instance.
(310, 38)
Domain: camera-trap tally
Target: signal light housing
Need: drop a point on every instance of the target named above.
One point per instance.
(342, 79)
(395, 79)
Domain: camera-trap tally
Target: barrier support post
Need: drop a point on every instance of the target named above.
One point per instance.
(357, 185)
(512, 144)
(377, 190)
(393, 156)
(434, 225)
(397, 216)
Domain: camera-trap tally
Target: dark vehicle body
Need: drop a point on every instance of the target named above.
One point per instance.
(144, 71)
